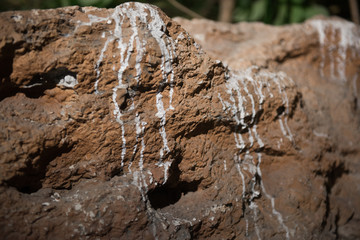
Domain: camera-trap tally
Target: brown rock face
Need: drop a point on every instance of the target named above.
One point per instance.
(115, 124)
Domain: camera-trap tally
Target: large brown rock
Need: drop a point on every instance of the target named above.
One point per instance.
(322, 56)
(115, 124)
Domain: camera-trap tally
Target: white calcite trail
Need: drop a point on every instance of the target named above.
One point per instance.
(243, 99)
(166, 166)
(238, 167)
(241, 103)
(137, 15)
(279, 79)
(157, 27)
(339, 37)
(161, 114)
(141, 161)
(97, 67)
(272, 199)
(124, 61)
(254, 207)
(139, 176)
(138, 132)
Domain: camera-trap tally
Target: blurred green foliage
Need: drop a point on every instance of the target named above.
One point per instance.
(268, 11)
(277, 12)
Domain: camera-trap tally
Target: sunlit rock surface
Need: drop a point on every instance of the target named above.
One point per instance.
(116, 124)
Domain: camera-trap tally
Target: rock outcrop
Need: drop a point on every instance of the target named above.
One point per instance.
(116, 124)
(322, 57)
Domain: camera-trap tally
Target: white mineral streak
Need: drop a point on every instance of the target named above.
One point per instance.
(240, 104)
(247, 228)
(166, 166)
(279, 79)
(254, 207)
(167, 48)
(124, 62)
(139, 178)
(258, 139)
(272, 200)
(140, 45)
(92, 19)
(322, 135)
(165, 44)
(336, 38)
(161, 114)
(238, 167)
(138, 132)
(97, 66)
(137, 15)
(141, 161)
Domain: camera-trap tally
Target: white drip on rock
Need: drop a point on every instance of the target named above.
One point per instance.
(238, 84)
(148, 17)
(335, 38)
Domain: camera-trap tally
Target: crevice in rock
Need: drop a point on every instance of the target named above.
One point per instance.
(165, 195)
(280, 110)
(7, 54)
(273, 152)
(37, 87)
(298, 101)
(172, 191)
(38, 84)
(332, 177)
(30, 178)
(195, 230)
(201, 128)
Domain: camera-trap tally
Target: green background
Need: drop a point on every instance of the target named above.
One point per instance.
(276, 12)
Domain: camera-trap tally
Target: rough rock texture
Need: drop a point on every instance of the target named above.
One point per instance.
(322, 56)
(115, 124)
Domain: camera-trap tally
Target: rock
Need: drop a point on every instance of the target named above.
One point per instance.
(322, 57)
(116, 124)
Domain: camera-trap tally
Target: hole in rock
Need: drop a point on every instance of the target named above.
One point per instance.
(6, 63)
(164, 196)
(39, 83)
(201, 128)
(124, 104)
(171, 192)
(30, 178)
(280, 110)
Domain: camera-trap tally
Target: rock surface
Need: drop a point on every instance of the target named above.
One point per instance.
(322, 56)
(116, 124)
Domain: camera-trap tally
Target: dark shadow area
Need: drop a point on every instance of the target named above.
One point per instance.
(6, 60)
(30, 179)
(332, 177)
(201, 128)
(164, 196)
(171, 192)
(7, 54)
(38, 84)
(280, 110)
